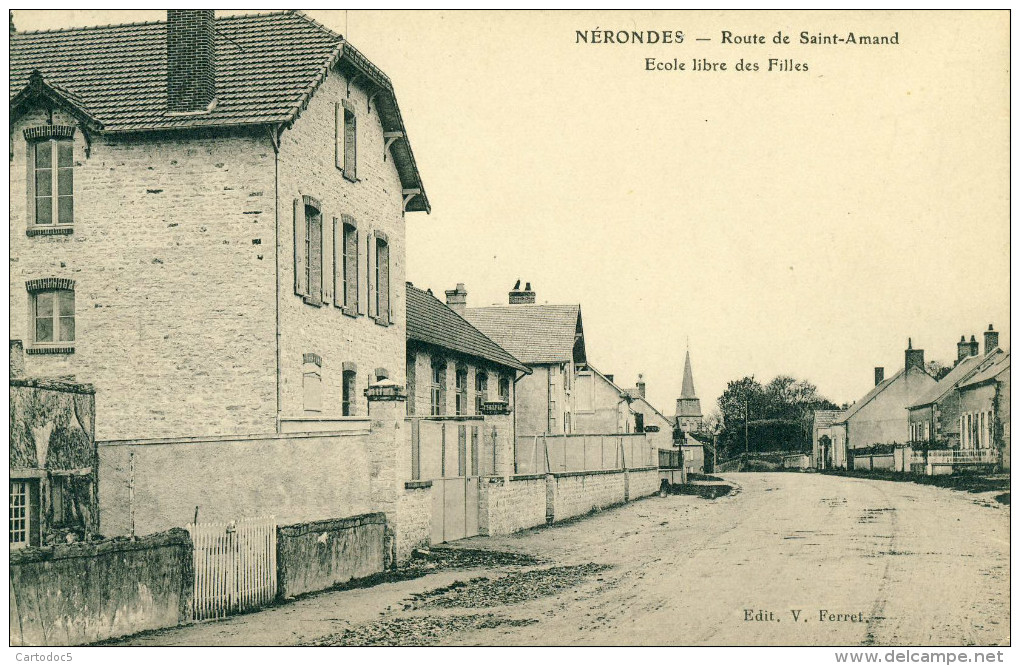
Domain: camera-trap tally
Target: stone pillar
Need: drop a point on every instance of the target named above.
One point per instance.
(499, 433)
(389, 455)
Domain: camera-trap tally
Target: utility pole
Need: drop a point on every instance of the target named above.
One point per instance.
(747, 410)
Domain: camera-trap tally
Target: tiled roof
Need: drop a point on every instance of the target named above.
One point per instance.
(267, 67)
(868, 397)
(532, 333)
(431, 321)
(962, 371)
(988, 373)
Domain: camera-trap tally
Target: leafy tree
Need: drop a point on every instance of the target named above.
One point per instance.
(937, 369)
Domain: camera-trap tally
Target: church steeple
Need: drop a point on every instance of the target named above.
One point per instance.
(688, 406)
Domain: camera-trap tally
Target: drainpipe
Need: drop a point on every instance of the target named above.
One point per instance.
(275, 134)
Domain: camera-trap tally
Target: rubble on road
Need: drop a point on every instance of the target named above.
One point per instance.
(416, 630)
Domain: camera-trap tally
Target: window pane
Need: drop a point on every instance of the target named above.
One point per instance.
(67, 329)
(43, 155)
(65, 181)
(65, 154)
(44, 330)
(44, 304)
(43, 210)
(65, 210)
(43, 182)
(66, 303)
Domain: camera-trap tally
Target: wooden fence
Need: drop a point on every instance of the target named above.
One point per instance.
(235, 566)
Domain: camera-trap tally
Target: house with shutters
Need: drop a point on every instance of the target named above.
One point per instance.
(984, 412)
(207, 222)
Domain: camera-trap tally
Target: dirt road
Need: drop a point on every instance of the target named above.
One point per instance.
(788, 559)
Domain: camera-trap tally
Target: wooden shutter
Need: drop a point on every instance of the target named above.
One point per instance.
(383, 257)
(300, 260)
(326, 280)
(369, 270)
(351, 261)
(350, 146)
(339, 142)
(338, 244)
(358, 303)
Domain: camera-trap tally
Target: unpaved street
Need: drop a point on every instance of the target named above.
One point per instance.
(889, 563)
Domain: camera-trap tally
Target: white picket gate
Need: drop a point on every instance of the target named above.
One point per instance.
(235, 566)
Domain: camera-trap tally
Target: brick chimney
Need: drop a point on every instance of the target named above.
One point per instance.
(190, 60)
(456, 299)
(991, 340)
(975, 348)
(879, 376)
(641, 385)
(913, 357)
(962, 349)
(520, 296)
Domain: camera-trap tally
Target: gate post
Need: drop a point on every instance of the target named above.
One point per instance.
(389, 454)
(499, 429)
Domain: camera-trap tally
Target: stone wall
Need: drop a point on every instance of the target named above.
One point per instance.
(413, 520)
(81, 593)
(577, 493)
(510, 505)
(318, 555)
(642, 482)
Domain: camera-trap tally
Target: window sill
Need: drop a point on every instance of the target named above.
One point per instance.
(314, 302)
(349, 177)
(49, 231)
(350, 312)
(39, 349)
(382, 322)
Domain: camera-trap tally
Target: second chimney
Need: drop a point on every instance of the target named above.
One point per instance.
(456, 299)
(641, 385)
(522, 296)
(913, 357)
(991, 340)
(190, 60)
(879, 376)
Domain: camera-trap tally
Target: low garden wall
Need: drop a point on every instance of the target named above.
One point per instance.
(318, 555)
(508, 506)
(577, 493)
(874, 461)
(642, 482)
(413, 520)
(85, 592)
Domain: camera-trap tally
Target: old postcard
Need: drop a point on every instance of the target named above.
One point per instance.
(573, 328)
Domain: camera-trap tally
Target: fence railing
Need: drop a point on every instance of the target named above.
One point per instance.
(956, 457)
(450, 447)
(539, 454)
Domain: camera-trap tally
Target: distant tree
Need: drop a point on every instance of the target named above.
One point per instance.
(776, 416)
(937, 369)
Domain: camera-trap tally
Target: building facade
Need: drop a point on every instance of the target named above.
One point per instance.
(549, 339)
(600, 406)
(985, 411)
(225, 254)
(879, 417)
(649, 420)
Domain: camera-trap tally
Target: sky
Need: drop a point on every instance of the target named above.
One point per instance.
(801, 222)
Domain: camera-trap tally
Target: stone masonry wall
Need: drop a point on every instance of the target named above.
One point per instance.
(575, 494)
(508, 506)
(172, 257)
(413, 521)
(642, 483)
(307, 167)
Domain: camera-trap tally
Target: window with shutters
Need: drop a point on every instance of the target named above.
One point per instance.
(382, 281)
(52, 183)
(309, 259)
(410, 372)
(347, 141)
(349, 267)
(437, 392)
(461, 397)
(481, 390)
(504, 389)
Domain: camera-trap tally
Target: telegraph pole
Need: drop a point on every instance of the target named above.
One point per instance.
(747, 410)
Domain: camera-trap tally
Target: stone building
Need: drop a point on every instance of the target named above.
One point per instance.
(934, 418)
(984, 410)
(453, 369)
(821, 436)
(549, 339)
(600, 406)
(207, 222)
(688, 406)
(879, 417)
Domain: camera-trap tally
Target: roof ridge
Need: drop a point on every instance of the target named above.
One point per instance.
(132, 24)
(302, 14)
